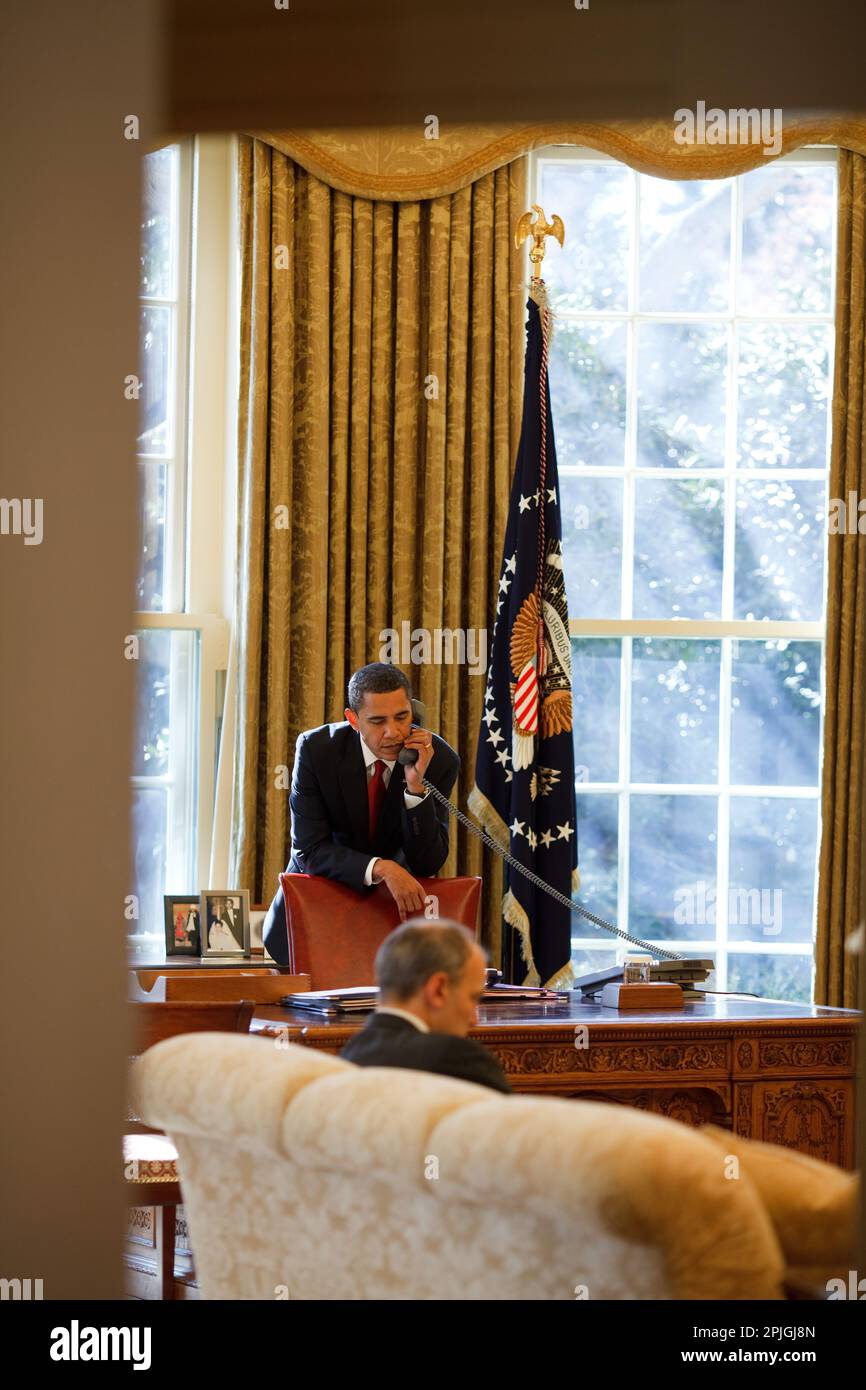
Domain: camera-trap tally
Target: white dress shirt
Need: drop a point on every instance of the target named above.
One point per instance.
(404, 1013)
(410, 799)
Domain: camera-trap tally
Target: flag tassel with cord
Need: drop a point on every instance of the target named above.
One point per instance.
(524, 793)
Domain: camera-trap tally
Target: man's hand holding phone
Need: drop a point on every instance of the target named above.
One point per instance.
(422, 741)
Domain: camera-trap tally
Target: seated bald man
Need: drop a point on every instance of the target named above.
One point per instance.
(430, 977)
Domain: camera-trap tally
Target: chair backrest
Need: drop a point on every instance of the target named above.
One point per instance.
(334, 932)
(559, 1196)
(156, 1022)
(267, 990)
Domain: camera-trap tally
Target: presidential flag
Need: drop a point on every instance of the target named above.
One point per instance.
(524, 770)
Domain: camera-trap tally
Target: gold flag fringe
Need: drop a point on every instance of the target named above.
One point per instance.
(490, 819)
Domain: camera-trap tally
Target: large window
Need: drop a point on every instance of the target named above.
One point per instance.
(182, 648)
(691, 379)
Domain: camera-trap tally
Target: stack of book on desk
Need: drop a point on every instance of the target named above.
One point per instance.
(685, 973)
(359, 999)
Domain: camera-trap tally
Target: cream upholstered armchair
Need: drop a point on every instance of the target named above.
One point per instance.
(307, 1177)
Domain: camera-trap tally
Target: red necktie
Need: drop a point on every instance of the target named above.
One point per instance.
(376, 794)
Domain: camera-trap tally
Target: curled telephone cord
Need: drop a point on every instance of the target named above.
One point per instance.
(405, 757)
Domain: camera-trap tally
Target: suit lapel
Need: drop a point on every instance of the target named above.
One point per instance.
(353, 784)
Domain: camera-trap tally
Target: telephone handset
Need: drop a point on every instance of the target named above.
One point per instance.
(409, 756)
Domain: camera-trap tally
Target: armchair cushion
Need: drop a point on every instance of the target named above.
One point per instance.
(812, 1204)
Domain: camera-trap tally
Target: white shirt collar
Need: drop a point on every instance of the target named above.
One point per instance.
(370, 757)
(404, 1013)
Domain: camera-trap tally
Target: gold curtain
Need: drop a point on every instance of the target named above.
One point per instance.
(379, 396)
(398, 264)
(840, 885)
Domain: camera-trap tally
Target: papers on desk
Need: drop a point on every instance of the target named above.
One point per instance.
(522, 994)
(358, 999)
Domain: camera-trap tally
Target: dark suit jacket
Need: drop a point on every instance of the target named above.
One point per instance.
(330, 830)
(389, 1041)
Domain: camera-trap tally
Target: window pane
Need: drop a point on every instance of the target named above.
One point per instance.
(158, 222)
(592, 544)
(165, 764)
(681, 395)
(772, 877)
(772, 977)
(678, 548)
(783, 395)
(780, 548)
(152, 714)
(596, 667)
(154, 403)
(672, 844)
(685, 244)
(675, 710)
(775, 713)
(591, 272)
(587, 392)
(587, 962)
(599, 862)
(149, 817)
(150, 586)
(788, 219)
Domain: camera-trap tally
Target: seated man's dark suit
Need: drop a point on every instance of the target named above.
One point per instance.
(389, 1041)
(330, 819)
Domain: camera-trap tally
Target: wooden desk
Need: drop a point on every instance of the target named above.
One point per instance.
(779, 1072)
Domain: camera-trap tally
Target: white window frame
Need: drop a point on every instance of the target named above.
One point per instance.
(199, 542)
(726, 629)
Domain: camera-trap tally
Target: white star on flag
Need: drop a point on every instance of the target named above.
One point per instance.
(494, 737)
(565, 831)
(546, 838)
(516, 827)
(524, 503)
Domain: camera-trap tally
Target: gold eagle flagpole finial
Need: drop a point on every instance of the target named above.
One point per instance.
(538, 230)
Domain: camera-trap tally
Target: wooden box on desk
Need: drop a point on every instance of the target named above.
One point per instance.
(654, 994)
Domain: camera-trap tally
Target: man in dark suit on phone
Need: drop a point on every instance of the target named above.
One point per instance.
(431, 976)
(360, 816)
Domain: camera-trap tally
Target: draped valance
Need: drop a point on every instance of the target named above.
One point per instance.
(400, 163)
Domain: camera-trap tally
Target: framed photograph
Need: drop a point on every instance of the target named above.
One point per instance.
(182, 934)
(225, 922)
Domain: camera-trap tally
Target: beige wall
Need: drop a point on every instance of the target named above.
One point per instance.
(68, 336)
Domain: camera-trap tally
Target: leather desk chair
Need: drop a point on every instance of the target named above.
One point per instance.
(334, 932)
